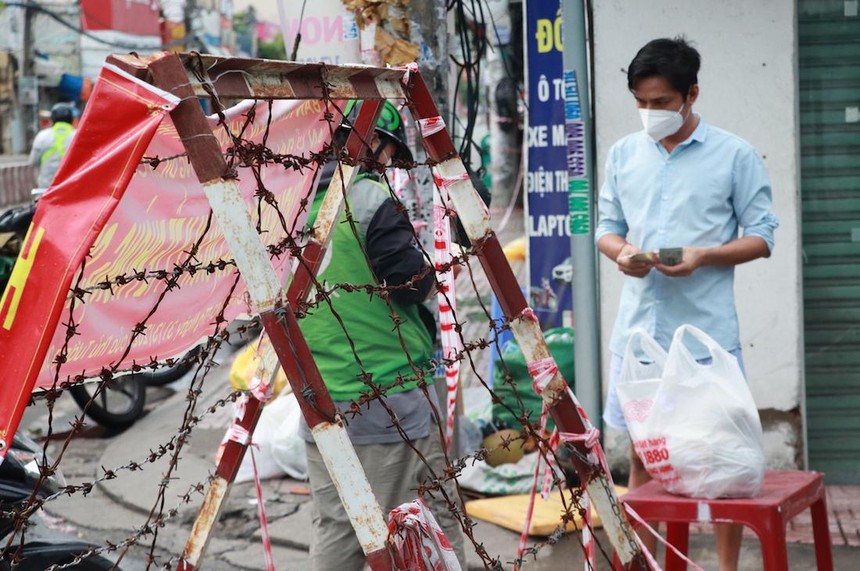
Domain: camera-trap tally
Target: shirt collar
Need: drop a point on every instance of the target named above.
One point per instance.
(700, 132)
(698, 135)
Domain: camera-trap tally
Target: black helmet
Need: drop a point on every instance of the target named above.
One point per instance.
(62, 112)
(389, 126)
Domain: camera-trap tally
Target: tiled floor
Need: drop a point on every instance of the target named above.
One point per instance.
(843, 514)
(843, 507)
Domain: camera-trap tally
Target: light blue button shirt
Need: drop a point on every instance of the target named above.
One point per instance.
(697, 195)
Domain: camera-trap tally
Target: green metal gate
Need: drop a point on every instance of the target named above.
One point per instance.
(829, 55)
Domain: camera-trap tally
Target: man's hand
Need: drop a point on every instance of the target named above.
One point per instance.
(628, 266)
(691, 259)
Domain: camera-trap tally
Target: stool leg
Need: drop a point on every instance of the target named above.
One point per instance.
(772, 537)
(821, 533)
(677, 534)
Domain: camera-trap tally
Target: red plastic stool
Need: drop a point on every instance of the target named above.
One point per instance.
(784, 494)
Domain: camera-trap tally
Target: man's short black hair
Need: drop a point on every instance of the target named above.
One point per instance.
(674, 59)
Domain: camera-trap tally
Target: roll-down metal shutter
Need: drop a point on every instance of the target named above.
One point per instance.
(829, 55)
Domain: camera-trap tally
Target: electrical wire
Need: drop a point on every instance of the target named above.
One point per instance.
(474, 28)
(473, 49)
(298, 32)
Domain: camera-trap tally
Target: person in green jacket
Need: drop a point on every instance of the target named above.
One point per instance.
(394, 344)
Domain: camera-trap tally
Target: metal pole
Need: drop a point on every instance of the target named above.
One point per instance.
(26, 108)
(579, 127)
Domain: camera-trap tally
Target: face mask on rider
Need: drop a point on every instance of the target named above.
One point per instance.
(661, 123)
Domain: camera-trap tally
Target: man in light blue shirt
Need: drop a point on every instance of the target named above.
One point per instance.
(679, 183)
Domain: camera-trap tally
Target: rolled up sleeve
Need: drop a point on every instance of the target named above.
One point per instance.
(753, 198)
(610, 216)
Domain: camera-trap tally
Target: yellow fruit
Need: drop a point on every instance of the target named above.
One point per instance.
(503, 447)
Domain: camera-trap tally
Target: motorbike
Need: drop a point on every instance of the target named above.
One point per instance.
(122, 401)
(19, 476)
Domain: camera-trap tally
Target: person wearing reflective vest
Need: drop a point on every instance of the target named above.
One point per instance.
(51, 144)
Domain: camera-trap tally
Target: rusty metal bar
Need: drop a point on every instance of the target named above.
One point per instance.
(560, 401)
(243, 78)
(204, 153)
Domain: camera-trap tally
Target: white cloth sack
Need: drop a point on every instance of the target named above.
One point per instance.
(504, 479)
(279, 449)
(697, 429)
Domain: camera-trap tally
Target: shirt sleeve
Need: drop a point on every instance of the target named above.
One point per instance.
(39, 147)
(395, 254)
(753, 198)
(610, 215)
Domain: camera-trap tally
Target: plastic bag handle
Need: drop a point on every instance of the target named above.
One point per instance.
(715, 349)
(648, 345)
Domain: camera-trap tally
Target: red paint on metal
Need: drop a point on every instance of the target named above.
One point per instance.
(501, 278)
(299, 366)
(203, 149)
(312, 255)
(439, 146)
(234, 452)
(380, 560)
(364, 85)
(362, 128)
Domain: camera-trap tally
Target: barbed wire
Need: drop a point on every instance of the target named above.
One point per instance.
(248, 156)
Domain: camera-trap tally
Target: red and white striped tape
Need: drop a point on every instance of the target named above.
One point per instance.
(261, 513)
(238, 433)
(446, 297)
(431, 125)
(410, 69)
(648, 557)
(446, 182)
(590, 553)
(419, 542)
(542, 372)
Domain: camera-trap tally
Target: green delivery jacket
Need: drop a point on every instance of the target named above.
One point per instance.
(370, 332)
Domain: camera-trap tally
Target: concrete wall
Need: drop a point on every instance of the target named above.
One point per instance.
(748, 86)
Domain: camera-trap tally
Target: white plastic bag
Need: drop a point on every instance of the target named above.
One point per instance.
(701, 435)
(638, 381)
(279, 450)
(288, 448)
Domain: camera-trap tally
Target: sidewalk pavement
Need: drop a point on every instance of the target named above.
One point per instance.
(237, 538)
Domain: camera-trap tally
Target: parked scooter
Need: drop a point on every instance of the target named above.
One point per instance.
(122, 403)
(19, 476)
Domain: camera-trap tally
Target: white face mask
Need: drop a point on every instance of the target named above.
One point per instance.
(661, 123)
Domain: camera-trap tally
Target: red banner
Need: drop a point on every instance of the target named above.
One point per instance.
(124, 219)
(138, 17)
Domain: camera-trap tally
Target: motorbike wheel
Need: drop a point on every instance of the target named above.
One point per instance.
(118, 406)
(93, 563)
(166, 375)
(40, 555)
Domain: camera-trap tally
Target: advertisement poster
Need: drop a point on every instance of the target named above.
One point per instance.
(122, 243)
(546, 199)
(329, 32)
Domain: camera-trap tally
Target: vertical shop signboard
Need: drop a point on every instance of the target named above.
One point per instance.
(546, 198)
